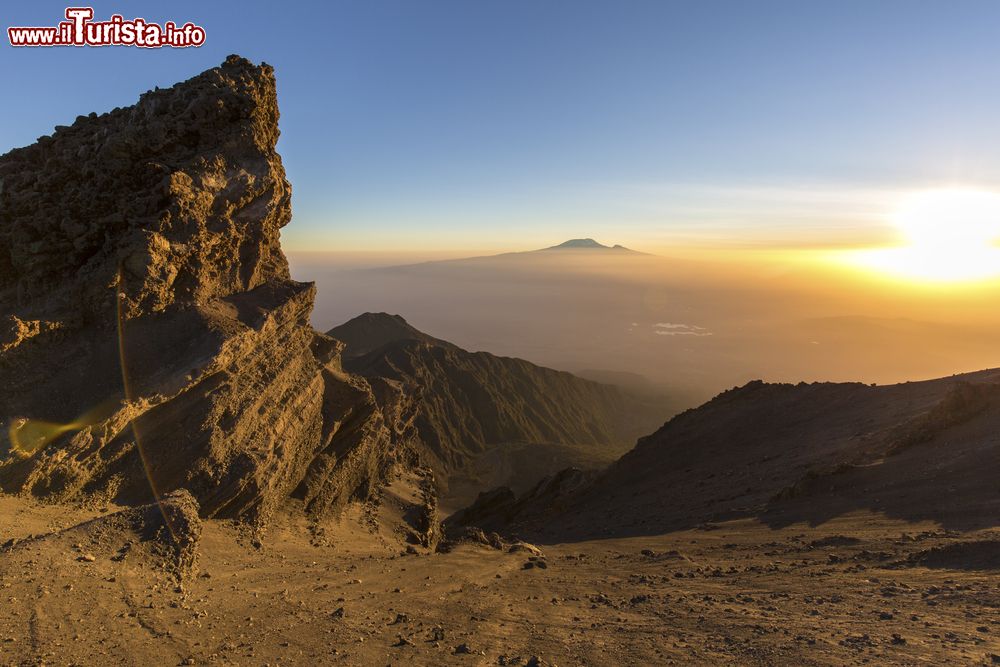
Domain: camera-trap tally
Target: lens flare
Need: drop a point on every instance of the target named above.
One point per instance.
(29, 436)
(126, 384)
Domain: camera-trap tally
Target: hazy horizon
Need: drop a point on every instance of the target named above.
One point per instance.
(690, 325)
(828, 216)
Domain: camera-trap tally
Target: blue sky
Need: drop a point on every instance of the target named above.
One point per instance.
(489, 124)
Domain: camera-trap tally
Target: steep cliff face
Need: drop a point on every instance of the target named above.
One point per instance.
(150, 335)
(179, 198)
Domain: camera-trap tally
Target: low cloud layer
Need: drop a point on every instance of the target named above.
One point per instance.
(674, 329)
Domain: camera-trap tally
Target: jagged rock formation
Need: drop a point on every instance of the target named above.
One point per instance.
(784, 454)
(483, 420)
(367, 428)
(151, 336)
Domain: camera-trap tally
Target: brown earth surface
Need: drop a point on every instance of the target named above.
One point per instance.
(860, 589)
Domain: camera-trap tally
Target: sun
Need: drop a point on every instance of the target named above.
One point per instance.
(950, 218)
(949, 235)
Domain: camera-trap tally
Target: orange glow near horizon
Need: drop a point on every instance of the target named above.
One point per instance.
(950, 238)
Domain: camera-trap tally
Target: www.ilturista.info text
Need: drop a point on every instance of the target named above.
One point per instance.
(81, 30)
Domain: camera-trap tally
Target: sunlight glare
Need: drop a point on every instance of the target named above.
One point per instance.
(950, 237)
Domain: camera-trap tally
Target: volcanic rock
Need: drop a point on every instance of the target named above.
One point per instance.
(151, 336)
(783, 454)
(481, 420)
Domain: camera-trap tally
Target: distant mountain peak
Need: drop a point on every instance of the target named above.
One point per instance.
(369, 331)
(579, 243)
(586, 244)
(385, 319)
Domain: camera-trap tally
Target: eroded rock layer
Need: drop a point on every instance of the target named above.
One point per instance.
(151, 338)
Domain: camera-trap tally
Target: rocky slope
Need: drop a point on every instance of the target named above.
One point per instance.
(151, 336)
(784, 454)
(483, 420)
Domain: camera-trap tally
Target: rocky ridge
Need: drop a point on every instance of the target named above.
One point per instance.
(481, 420)
(781, 454)
(151, 338)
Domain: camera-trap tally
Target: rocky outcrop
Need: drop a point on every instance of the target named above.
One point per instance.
(151, 338)
(367, 428)
(177, 199)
